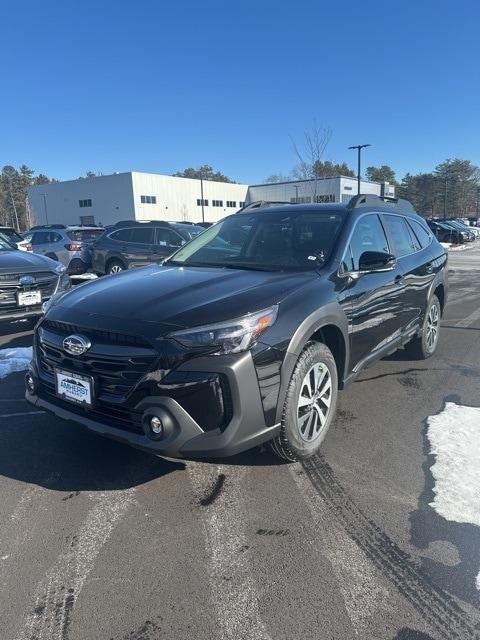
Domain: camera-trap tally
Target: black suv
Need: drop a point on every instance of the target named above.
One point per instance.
(134, 244)
(246, 333)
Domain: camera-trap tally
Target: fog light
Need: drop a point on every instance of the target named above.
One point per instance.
(30, 383)
(156, 425)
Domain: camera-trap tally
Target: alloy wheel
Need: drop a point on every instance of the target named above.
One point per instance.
(314, 402)
(433, 321)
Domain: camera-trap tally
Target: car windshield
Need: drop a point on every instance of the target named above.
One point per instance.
(12, 235)
(4, 244)
(273, 241)
(84, 235)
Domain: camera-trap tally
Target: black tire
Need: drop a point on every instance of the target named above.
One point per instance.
(421, 348)
(115, 266)
(291, 444)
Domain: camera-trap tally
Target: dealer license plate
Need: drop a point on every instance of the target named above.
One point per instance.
(74, 387)
(29, 298)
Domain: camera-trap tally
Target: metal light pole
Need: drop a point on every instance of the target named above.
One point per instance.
(201, 190)
(445, 198)
(45, 207)
(359, 148)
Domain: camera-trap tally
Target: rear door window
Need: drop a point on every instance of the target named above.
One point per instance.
(123, 235)
(41, 237)
(402, 240)
(168, 238)
(142, 235)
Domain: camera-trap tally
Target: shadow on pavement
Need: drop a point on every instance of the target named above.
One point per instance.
(63, 456)
(15, 334)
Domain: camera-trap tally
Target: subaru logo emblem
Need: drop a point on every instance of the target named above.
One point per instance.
(26, 281)
(76, 345)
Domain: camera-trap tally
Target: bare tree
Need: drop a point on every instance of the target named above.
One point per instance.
(310, 155)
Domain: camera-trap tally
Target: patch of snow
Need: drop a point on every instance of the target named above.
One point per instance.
(445, 244)
(84, 276)
(454, 436)
(14, 360)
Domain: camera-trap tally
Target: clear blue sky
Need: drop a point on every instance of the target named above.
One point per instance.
(158, 86)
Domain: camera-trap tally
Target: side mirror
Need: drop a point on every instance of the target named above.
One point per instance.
(376, 261)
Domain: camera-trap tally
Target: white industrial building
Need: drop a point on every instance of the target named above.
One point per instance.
(150, 196)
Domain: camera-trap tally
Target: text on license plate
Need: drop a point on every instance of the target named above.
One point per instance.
(74, 387)
(29, 298)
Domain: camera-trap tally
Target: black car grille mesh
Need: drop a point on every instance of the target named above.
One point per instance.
(46, 282)
(115, 362)
(115, 376)
(108, 337)
(14, 277)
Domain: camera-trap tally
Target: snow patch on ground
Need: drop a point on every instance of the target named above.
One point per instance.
(454, 436)
(445, 244)
(14, 360)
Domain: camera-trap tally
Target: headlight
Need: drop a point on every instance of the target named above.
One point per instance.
(48, 304)
(232, 336)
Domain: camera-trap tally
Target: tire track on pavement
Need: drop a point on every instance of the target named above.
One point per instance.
(56, 595)
(436, 606)
(362, 591)
(233, 589)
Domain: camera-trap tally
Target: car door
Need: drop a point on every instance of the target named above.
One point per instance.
(372, 300)
(167, 241)
(139, 250)
(415, 265)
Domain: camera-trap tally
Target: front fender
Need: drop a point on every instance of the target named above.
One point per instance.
(330, 314)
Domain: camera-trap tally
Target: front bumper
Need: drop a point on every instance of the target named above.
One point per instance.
(184, 438)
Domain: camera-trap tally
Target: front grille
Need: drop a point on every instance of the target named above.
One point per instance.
(13, 277)
(46, 282)
(108, 337)
(115, 362)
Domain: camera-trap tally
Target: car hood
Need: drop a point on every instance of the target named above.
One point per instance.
(180, 296)
(16, 261)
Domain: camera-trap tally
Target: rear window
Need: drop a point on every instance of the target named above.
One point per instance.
(422, 235)
(84, 235)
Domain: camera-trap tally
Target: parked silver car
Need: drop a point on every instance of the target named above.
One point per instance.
(68, 245)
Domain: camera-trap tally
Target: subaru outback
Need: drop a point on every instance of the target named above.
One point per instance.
(246, 334)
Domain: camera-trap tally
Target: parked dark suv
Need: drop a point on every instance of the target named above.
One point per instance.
(246, 333)
(134, 244)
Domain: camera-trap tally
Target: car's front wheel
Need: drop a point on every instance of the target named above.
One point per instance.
(310, 404)
(426, 344)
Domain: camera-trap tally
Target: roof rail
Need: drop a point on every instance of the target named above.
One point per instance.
(370, 199)
(47, 226)
(263, 204)
(134, 223)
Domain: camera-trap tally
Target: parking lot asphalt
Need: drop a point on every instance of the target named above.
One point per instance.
(100, 541)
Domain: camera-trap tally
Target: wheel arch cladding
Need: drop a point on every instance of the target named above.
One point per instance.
(440, 293)
(328, 325)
